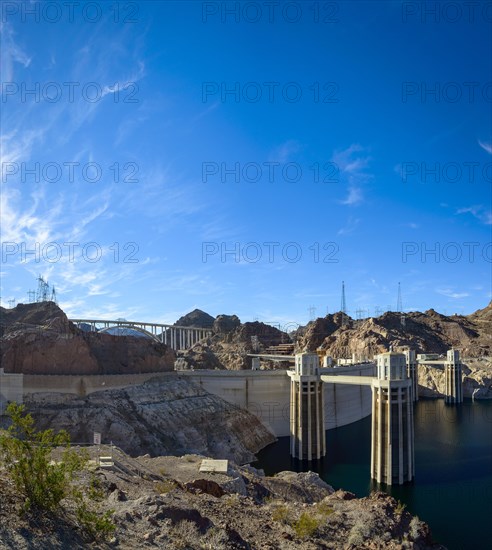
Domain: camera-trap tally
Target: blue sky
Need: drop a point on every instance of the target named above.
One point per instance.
(246, 162)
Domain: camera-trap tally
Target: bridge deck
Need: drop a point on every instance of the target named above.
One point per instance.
(134, 323)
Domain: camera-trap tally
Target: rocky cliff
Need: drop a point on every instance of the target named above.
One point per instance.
(477, 380)
(169, 415)
(39, 339)
(230, 344)
(430, 331)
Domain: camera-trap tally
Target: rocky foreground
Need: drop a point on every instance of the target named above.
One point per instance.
(166, 502)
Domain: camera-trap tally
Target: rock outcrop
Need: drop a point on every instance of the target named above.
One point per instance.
(428, 332)
(477, 380)
(166, 502)
(229, 349)
(196, 318)
(168, 415)
(39, 339)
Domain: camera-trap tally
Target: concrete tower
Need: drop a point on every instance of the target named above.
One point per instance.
(392, 445)
(453, 377)
(412, 372)
(307, 421)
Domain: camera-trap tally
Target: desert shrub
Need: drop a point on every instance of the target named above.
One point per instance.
(324, 509)
(415, 527)
(280, 513)
(27, 456)
(165, 486)
(400, 507)
(359, 532)
(186, 534)
(45, 483)
(306, 525)
(215, 539)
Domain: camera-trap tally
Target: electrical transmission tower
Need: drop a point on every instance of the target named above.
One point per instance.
(399, 305)
(255, 343)
(31, 296)
(343, 305)
(312, 313)
(11, 303)
(43, 290)
(45, 293)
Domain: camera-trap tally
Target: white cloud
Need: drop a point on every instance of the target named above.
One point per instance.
(479, 212)
(350, 226)
(486, 146)
(450, 293)
(284, 152)
(354, 197)
(11, 53)
(352, 165)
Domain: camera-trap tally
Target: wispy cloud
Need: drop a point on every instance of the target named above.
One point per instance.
(450, 293)
(284, 152)
(486, 146)
(350, 226)
(479, 212)
(354, 196)
(352, 164)
(11, 53)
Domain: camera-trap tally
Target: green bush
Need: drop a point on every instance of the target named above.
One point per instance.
(324, 509)
(43, 482)
(165, 486)
(400, 507)
(306, 525)
(27, 456)
(280, 513)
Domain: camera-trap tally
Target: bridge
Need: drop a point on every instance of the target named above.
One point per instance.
(176, 337)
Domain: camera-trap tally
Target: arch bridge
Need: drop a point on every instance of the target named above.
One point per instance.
(176, 337)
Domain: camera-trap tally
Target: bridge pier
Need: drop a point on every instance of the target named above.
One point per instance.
(453, 377)
(392, 438)
(412, 372)
(307, 423)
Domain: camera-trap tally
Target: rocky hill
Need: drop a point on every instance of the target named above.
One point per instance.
(168, 415)
(39, 339)
(166, 502)
(230, 344)
(426, 332)
(196, 318)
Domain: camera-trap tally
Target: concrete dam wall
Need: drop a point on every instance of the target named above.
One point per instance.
(267, 394)
(263, 393)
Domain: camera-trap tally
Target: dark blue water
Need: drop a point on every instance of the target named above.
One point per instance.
(452, 490)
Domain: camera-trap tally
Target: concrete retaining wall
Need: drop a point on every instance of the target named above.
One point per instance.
(10, 389)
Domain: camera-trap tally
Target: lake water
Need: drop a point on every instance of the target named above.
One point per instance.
(452, 490)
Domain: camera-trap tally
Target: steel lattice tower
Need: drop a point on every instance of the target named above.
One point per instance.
(343, 306)
(399, 305)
